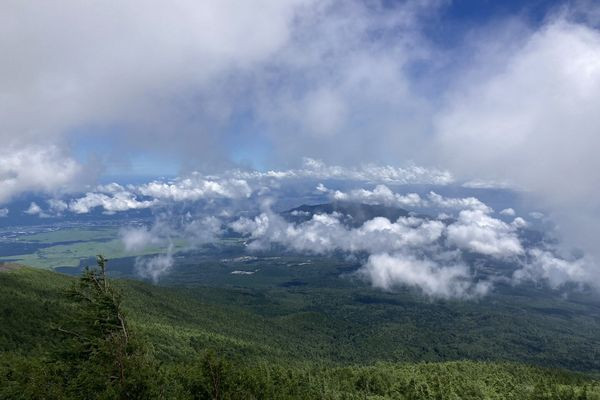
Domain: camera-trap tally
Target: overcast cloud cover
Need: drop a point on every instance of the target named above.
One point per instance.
(302, 89)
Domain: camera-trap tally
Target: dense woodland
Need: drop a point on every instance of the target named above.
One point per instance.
(93, 337)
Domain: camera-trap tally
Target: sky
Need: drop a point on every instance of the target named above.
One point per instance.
(500, 93)
(131, 88)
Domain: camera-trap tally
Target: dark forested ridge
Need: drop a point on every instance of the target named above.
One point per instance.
(238, 343)
(356, 213)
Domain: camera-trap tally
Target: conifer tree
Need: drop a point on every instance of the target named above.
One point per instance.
(102, 357)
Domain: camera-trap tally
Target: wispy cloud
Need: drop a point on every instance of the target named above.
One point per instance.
(154, 267)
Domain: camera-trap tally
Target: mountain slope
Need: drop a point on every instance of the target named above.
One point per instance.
(345, 324)
(260, 354)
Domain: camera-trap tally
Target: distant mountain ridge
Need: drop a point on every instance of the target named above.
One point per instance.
(355, 214)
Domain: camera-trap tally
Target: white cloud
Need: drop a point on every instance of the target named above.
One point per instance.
(55, 209)
(120, 201)
(71, 64)
(387, 271)
(544, 265)
(155, 267)
(237, 184)
(183, 72)
(114, 197)
(487, 184)
(509, 212)
(519, 223)
(57, 206)
(314, 79)
(536, 215)
(458, 203)
(3, 212)
(187, 231)
(325, 112)
(526, 111)
(197, 231)
(240, 272)
(135, 239)
(110, 188)
(195, 188)
(34, 209)
(381, 194)
(476, 231)
(392, 247)
(354, 60)
(374, 173)
(325, 233)
(35, 169)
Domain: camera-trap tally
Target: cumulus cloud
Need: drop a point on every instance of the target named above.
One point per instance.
(474, 230)
(420, 252)
(57, 206)
(383, 195)
(120, 201)
(375, 173)
(519, 223)
(509, 212)
(392, 248)
(3, 212)
(195, 188)
(458, 203)
(477, 231)
(211, 62)
(114, 197)
(325, 233)
(543, 265)
(34, 209)
(389, 270)
(35, 169)
(239, 185)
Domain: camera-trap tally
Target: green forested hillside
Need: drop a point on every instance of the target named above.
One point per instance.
(234, 343)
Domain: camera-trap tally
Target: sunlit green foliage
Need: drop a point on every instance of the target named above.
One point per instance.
(65, 338)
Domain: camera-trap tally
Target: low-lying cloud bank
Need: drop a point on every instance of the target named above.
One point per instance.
(382, 194)
(410, 251)
(387, 271)
(236, 185)
(429, 254)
